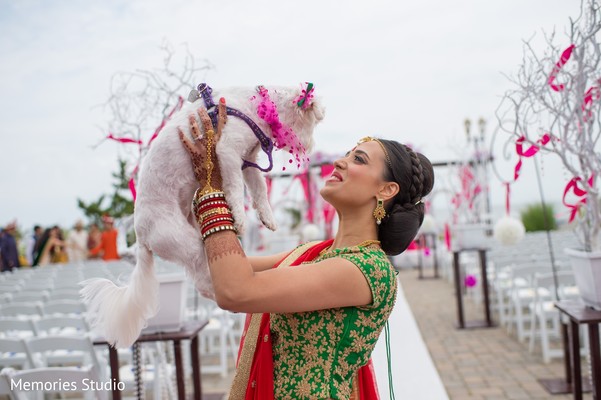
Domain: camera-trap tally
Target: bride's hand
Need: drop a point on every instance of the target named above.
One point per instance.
(202, 147)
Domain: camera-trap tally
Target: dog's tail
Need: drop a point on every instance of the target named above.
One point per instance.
(120, 312)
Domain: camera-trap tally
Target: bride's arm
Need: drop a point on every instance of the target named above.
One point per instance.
(332, 283)
(262, 263)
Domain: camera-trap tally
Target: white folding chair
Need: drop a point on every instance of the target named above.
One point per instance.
(61, 325)
(68, 307)
(544, 320)
(13, 327)
(21, 309)
(14, 353)
(5, 390)
(48, 380)
(218, 337)
(64, 295)
(27, 296)
(54, 350)
(522, 295)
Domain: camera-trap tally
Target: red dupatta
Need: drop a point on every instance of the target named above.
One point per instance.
(254, 373)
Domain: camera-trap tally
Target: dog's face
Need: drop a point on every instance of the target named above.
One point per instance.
(301, 119)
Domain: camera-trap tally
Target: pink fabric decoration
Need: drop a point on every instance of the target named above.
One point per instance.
(565, 56)
(578, 192)
(507, 196)
(531, 151)
(283, 135)
(132, 183)
(592, 94)
(123, 140)
(304, 179)
(447, 236)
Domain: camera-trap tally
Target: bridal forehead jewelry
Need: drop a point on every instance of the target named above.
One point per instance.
(372, 139)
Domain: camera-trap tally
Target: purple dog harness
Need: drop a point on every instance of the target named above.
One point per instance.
(205, 91)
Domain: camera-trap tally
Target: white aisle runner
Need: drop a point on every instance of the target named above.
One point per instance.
(413, 372)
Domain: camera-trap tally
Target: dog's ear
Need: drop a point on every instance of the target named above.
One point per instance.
(318, 110)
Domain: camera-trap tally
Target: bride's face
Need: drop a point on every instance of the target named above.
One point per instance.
(357, 177)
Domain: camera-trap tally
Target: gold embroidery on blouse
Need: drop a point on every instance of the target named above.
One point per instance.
(317, 353)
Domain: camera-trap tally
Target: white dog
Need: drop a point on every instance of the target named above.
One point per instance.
(163, 220)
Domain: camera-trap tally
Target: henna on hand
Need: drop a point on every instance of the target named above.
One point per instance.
(198, 147)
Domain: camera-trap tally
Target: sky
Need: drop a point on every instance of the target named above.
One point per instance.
(409, 71)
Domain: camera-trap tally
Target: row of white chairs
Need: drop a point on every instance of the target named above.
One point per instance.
(40, 308)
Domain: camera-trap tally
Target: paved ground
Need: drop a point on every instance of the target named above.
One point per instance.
(475, 364)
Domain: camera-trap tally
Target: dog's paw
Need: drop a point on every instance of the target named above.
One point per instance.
(266, 216)
(272, 226)
(269, 222)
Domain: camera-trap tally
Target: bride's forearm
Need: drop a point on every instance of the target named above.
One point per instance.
(231, 271)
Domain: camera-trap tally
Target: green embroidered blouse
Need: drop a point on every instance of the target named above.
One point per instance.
(317, 353)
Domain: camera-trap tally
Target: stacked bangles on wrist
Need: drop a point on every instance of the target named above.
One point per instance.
(212, 213)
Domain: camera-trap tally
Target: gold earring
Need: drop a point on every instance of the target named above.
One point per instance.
(379, 212)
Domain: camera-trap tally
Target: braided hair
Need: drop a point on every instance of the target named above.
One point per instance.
(404, 212)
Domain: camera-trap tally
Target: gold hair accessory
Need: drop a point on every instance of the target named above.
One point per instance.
(379, 212)
(419, 201)
(372, 139)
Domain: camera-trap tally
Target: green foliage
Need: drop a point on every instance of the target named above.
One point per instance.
(120, 204)
(295, 213)
(533, 218)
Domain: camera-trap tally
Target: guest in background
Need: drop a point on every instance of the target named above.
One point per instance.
(60, 256)
(108, 241)
(94, 237)
(8, 247)
(52, 248)
(77, 243)
(30, 248)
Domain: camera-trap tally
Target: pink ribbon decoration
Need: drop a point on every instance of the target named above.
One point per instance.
(123, 140)
(447, 236)
(177, 107)
(303, 177)
(592, 94)
(507, 196)
(472, 196)
(565, 56)
(531, 151)
(578, 192)
(132, 184)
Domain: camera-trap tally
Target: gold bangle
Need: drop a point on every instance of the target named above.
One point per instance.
(200, 197)
(215, 211)
(212, 204)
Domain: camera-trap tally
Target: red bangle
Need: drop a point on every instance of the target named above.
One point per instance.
(221, 217)
(208, 227)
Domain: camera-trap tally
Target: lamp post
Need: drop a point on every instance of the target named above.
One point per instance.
(480, 161)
